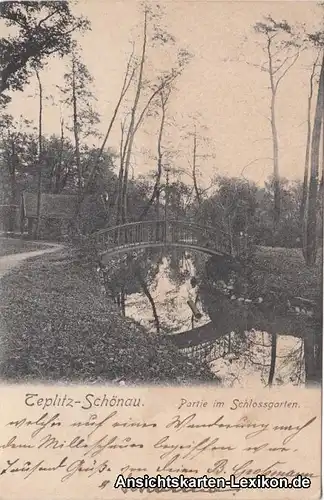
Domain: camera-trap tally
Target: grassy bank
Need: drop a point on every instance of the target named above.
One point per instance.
(57, 325)
(285, 269)
(278, 275)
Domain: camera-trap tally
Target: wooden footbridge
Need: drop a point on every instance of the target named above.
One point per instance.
(161, 233)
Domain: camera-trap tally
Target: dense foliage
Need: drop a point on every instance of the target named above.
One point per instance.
(41, 30)
(239, 206)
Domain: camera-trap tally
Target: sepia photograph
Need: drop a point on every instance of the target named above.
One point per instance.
(161, 193)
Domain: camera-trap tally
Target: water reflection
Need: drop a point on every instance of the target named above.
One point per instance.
(170, 297)
(156, 289)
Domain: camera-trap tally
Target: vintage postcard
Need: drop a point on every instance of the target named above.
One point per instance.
(161, 249)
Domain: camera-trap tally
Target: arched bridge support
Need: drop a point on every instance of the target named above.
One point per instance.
(161, 233)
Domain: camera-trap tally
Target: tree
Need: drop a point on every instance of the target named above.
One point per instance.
(232, 206)
(40, 153)
(303, 204)
(57, 165)
(198, 143)
(312, 200)
(60, 160)
(93, 163)
(146, 96)
(79, 97)
(287, 231)
(18, 148)
(40, 29)
(282, 51)
(311, 224)
(164, 97)
(76, 122)
(194, 167)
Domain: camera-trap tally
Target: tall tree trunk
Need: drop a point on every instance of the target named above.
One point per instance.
(311, 236)
(58, 169)
(276, 179)
(321, 186)
(303, 205)
(157, 216)
(131, 130)
(13, 187)
(76, 127)
(194, 168)
(118, 198)
(119, 194)
(322, 176)
(275, 79)
(280, 61)
(40, 156)
(129, 75)
(156, 189)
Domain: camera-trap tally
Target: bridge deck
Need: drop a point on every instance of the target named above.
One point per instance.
(171, 233)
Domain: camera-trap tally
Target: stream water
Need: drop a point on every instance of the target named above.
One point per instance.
(248, 364)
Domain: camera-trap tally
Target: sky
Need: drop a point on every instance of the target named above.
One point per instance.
(222, 83)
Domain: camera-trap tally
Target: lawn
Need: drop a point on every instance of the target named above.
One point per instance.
(58, 326)
(10, 246)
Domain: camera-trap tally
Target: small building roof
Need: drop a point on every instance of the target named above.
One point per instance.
(53, 206)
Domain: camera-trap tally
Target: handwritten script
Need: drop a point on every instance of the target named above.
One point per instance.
(73, 444)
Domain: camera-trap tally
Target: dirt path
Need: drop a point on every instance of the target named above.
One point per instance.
(8, 262)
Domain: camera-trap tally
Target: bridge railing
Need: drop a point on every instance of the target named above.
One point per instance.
(129, 234)
(194, 234)
(164, 232)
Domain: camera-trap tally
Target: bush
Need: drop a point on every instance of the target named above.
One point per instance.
(57, 325)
